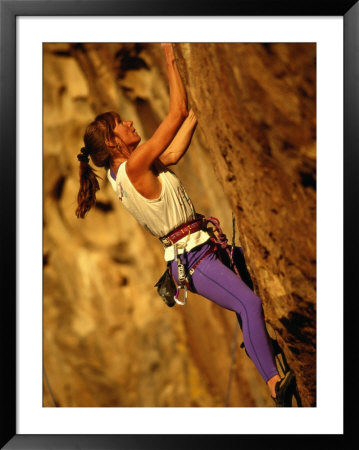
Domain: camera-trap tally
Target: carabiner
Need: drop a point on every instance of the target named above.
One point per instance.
(179, 287)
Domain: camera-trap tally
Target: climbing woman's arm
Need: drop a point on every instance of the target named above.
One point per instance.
(178, 95)
(181, 141)
(144, 155)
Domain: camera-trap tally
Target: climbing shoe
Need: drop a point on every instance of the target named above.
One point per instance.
(283, 390)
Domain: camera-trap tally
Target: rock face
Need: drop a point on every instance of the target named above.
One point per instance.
(109, 340)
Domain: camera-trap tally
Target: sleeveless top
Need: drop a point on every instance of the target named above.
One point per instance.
(161, 215)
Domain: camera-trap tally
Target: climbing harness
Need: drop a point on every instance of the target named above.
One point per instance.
(182, 231)
(165, 284)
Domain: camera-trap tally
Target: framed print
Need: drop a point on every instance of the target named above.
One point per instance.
(92, 355)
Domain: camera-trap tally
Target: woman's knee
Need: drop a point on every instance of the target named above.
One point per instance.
(255, 304)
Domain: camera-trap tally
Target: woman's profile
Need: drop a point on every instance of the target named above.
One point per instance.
(140, 176)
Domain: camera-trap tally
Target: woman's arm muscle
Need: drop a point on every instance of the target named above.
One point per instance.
(142, 158)
(181, 141)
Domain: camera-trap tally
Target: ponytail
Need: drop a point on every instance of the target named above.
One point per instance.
(86, 197)
(97, 133)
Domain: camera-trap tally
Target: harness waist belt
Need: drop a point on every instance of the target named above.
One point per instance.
(182, 231)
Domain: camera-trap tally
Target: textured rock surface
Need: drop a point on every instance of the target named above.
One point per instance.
(109, 340)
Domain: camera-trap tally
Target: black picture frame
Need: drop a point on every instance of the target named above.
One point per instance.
(9, 10)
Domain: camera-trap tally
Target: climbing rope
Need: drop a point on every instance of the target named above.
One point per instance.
(49, 387)
(234, 348)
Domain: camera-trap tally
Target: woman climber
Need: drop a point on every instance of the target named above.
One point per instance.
(153, 194)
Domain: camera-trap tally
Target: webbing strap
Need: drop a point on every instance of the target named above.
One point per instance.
(222, 240)
(208, 252)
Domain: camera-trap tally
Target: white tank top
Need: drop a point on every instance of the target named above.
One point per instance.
(161, 215)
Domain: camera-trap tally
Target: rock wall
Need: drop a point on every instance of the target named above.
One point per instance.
(109, 340)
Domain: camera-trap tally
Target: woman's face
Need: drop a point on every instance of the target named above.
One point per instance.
(126, 133)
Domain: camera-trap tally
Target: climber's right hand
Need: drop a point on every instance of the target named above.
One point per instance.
(168, 52)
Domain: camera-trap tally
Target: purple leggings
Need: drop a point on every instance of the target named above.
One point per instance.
(213, 280)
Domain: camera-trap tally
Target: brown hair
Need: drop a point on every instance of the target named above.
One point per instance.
(97, 132)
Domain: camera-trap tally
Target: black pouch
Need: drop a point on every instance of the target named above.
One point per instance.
(166, 288)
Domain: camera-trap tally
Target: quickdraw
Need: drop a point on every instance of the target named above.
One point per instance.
(183, 282)
(222, 241)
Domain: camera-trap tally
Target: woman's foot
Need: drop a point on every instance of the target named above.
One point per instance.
(272, 383)
(281, 394)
